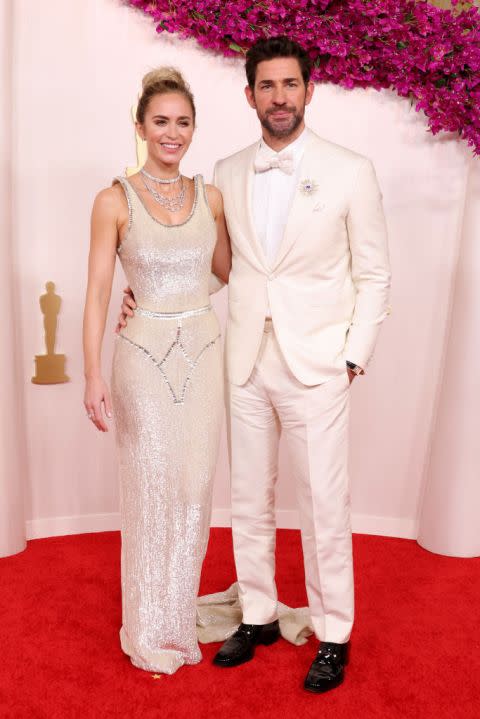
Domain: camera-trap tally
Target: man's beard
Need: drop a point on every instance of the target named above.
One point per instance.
(287, 130)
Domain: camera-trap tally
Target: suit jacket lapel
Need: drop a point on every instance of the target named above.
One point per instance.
(243, 192)
(303, 203)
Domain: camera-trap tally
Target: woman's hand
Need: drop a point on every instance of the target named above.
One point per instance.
(96, 393)
(128, 305)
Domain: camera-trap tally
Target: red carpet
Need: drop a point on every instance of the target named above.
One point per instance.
(415, 649)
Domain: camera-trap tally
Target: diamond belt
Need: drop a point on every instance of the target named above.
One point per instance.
(172, 315)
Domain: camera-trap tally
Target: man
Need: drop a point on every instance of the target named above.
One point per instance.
(308, 291)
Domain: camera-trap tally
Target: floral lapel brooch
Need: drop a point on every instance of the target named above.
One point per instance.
(308, 187)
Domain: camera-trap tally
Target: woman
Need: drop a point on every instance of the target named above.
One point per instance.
(169, 232)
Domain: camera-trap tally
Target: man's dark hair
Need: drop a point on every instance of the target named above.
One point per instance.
(271, 48)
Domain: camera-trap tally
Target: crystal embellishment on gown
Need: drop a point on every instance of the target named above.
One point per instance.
(191, 363)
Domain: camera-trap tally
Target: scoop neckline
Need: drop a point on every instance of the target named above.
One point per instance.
(165, 224)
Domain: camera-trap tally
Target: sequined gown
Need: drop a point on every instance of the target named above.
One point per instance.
(167, 396)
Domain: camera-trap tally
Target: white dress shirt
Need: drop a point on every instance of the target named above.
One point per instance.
(273, 193)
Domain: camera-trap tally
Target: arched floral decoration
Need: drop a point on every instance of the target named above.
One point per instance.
(421, 51)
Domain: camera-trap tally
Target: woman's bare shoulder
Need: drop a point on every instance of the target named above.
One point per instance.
(215, 198)
(110, 200)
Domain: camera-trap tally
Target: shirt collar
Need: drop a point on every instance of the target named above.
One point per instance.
(296, 147)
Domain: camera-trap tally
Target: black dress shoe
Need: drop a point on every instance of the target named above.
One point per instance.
(240, 647)
(327, 668)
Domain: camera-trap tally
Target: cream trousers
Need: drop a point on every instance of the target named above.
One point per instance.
(314, 421)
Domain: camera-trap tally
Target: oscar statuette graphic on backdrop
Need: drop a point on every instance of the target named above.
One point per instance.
(50, 367)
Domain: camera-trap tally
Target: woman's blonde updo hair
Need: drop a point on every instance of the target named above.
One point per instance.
(159, 82)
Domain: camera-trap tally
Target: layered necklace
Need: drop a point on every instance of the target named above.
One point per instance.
(172, 203)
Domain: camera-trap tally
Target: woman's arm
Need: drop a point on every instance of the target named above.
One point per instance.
(222, 256)
(101, 266)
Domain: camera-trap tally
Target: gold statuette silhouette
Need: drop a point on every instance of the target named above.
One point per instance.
(50, 368)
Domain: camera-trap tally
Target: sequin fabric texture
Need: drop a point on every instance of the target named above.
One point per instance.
(167, 391)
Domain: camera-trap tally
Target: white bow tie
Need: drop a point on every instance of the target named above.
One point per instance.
(283, 162)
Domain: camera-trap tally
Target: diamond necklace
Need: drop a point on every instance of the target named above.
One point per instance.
(160, 180)
(172, 204)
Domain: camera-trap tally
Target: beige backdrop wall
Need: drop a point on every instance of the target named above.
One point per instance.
(77, 69)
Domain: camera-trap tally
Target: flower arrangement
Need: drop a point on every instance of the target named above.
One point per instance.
(426, 53)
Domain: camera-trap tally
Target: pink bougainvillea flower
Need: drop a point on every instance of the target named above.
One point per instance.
(423, 52)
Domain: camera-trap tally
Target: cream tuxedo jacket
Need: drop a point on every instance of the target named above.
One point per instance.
(328, 286)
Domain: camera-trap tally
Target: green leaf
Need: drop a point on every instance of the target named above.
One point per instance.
(234, 46)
